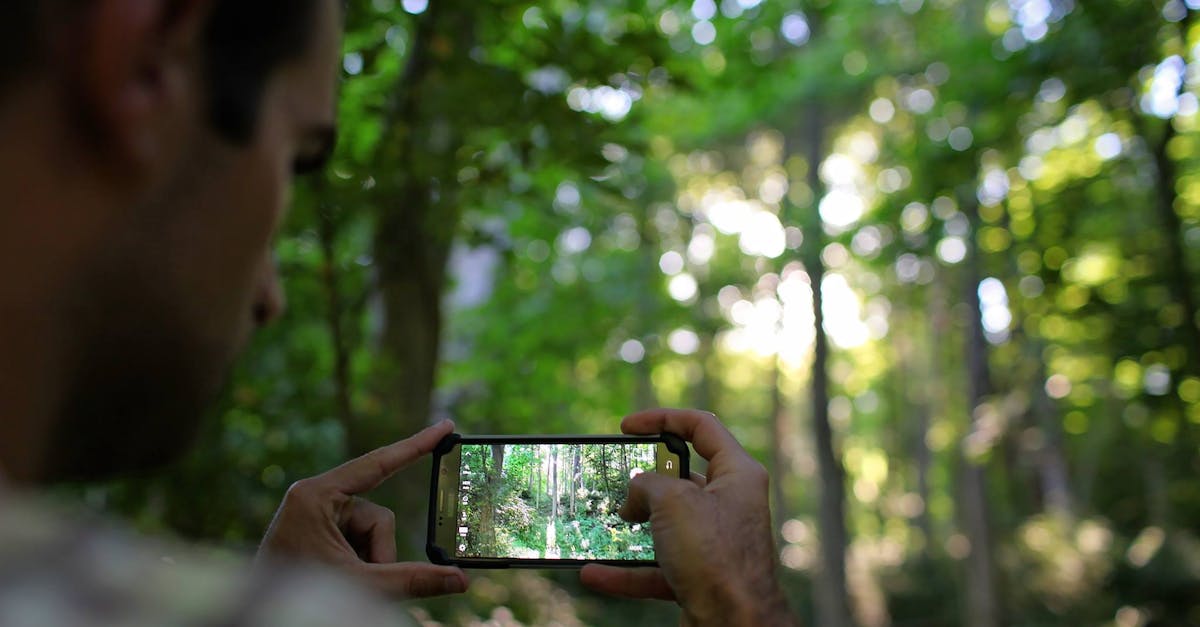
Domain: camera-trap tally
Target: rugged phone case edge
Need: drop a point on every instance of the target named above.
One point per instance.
(439, 555)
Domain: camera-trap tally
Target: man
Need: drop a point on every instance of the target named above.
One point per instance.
(148, 149)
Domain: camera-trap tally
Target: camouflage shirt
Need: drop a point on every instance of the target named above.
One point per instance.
(62, 569)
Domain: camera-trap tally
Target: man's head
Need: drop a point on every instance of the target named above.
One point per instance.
(149, 150)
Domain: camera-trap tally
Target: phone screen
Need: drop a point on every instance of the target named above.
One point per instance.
(525, 501)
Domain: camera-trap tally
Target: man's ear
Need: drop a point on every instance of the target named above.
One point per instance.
(139, 77)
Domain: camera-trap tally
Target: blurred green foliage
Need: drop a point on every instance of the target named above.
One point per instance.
(576, 208)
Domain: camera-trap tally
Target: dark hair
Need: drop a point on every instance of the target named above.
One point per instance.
(245, 42)
(18, 41)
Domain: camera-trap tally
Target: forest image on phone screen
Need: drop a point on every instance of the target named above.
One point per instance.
(550, 501)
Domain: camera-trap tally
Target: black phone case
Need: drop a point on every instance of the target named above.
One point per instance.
(439, 555)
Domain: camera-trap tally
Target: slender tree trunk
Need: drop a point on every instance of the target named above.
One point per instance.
(1158, 501)
(919, 398)
(604, 469)
(487, 524)
(494, 484)
(575, 479)
(584, 475)
(532, 470)
(833, 608)
(643, 394)
(983, 606)
(1051, 458)
(549, 473)
(1096, 445)
(330, 274)
(554, 482)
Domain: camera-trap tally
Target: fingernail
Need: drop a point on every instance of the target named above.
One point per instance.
(453, 583)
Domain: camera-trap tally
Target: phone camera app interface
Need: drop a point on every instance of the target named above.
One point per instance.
(551, 501)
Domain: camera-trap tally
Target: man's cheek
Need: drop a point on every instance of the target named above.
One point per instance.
(225, 258)
(260, 203)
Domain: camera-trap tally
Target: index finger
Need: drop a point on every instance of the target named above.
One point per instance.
(708, 436)
(365, 473)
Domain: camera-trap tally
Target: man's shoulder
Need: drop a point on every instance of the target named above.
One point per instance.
(61, 567)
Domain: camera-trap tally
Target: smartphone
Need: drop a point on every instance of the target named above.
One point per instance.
(542, 501)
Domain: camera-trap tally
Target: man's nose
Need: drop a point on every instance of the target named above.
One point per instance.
(269, 300)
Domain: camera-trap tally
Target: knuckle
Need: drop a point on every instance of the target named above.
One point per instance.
(374, 460)
(299, 489)
(305, 492)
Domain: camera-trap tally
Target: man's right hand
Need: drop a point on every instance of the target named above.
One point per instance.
(712, 537)
(323, 519)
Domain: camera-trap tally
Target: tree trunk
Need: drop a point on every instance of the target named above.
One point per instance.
(327, 232)
(647, 305)
(1051, 458)
(604, 469)
(1095, 448)
(1179, 278)
(535, 478)
(983, 606)
(416, 219)
(833, 608)
(1175, 264)
(1158, 501)
(497, 465)
(494, 483)
(921, 362)
(554, 482)
(575, 478)
(486, 534)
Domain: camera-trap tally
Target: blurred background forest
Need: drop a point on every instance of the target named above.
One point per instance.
(933, 262)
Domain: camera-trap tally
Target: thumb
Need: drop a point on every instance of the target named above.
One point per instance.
(648, 491)
(622, 581)
(415, 580)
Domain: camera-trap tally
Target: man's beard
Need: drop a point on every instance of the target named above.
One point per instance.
(139, 385)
